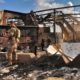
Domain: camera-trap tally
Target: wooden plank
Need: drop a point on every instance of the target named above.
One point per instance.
(24, 57)
(55, 78)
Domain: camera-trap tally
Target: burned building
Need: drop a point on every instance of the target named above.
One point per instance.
(6, 16)
(28, 32)
(29, 23)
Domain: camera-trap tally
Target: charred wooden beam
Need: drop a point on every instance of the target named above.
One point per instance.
(22, 28)
(58, 8)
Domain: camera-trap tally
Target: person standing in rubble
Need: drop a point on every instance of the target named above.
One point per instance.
(14, 37)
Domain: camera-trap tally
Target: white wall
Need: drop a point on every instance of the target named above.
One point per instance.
(71, 49)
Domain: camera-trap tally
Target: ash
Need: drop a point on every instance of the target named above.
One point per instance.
(40, 71)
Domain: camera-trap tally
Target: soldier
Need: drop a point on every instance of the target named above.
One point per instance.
(14, 36)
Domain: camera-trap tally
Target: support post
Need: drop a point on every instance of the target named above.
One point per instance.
(54, 25)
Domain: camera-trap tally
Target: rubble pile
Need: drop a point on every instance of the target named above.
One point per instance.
(33, 72)
(75, 62)
(41, 69)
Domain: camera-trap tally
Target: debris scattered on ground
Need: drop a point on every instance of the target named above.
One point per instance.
(42, 69)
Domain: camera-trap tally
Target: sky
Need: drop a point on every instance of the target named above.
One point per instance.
(26, 6)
